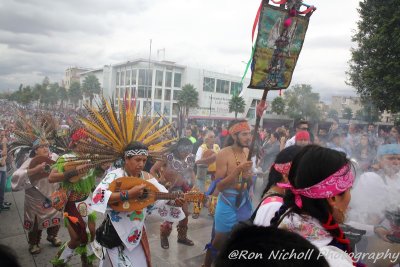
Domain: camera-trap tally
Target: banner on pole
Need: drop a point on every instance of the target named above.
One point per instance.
(279, 42)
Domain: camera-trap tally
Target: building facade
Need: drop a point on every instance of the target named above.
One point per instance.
(72, 75)
(156, 85)
(339, 103)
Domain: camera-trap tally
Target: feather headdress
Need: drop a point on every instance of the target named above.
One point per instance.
(110, 129)
(29, 132)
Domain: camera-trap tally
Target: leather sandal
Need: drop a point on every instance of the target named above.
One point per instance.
(186, 242)
(164, 242)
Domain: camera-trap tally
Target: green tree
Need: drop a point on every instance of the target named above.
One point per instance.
(91, 87)
(23, 96)
(52, 95)
(302, 102)
(75, 93)
(347, 113)
(375, 63)
(333, 114)
(188, 98)
(278, 105)
(39, 93)
(62, 94)
(46, 82)
(236, 104)
(359, 115)
(368, 113)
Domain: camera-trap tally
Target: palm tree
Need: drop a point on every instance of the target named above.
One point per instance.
(278, 105)
(62, 94)
(236, 104)
(75, 93)
(188, 98)
(91, 87)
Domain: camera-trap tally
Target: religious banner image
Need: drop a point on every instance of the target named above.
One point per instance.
(279, 41)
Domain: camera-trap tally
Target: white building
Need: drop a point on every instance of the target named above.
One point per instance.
(156, 85)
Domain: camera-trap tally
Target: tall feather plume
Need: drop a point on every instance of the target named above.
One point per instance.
(30, 127)
(110, 129)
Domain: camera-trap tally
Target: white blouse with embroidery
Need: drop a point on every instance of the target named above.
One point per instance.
(129, 225)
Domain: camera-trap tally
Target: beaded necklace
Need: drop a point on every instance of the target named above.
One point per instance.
(240, 178)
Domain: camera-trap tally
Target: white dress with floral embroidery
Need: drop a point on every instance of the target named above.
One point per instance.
(129, 225)
(312, 230)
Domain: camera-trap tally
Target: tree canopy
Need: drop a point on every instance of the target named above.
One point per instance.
(236, 104)
(347, 113)
(278, 105)
(302, 102)
(91, 87)
(375, 63)
(188, 98)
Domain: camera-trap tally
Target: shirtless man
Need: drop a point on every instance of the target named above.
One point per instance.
(232, 168)
(176, 172)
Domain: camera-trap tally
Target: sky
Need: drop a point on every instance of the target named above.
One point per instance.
(41, 38)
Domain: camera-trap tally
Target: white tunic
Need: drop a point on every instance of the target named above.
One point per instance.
(129, 225)
(267, 210)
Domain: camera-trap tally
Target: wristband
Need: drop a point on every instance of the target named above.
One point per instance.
(123, 195)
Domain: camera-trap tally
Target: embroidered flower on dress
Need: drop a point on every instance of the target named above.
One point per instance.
(162, 211)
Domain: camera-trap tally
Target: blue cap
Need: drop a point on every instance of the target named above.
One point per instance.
(388, 149)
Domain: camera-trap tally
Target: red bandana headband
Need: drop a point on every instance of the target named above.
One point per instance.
(283, 168)
(239, 127)
(335, 184)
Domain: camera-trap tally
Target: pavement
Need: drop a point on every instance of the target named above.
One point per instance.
(13, 235)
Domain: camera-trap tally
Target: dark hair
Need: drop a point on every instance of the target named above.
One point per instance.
(229, 140)
(310, 166)
(284, 156)
(8, 257)
(267, 242)
(183, 141)
(301, 122)
(276, 135)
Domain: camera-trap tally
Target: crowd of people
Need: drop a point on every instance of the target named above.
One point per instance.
(317, 184)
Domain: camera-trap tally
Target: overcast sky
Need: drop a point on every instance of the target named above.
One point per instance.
(44, 37)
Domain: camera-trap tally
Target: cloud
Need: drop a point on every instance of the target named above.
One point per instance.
(44, 37)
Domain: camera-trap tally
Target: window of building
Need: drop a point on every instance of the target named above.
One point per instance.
(236, 88)
(176, 94)
(177, 80)
(209, 84)
(141, 92)
(146, 107)
(122, 82)
(148, 92)
(117, 78)
(254, 103)
(158, 93)
(168, 79)
(133, 92)
(145, 77)
(167, 108)
(157, 107)
(159, 77)
(128, 77)
(175, 109)
(144, 91)
(222, 87)
(167, 94)
(134, 73)
(251, 114)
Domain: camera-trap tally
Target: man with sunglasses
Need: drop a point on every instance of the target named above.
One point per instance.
(301, 126)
